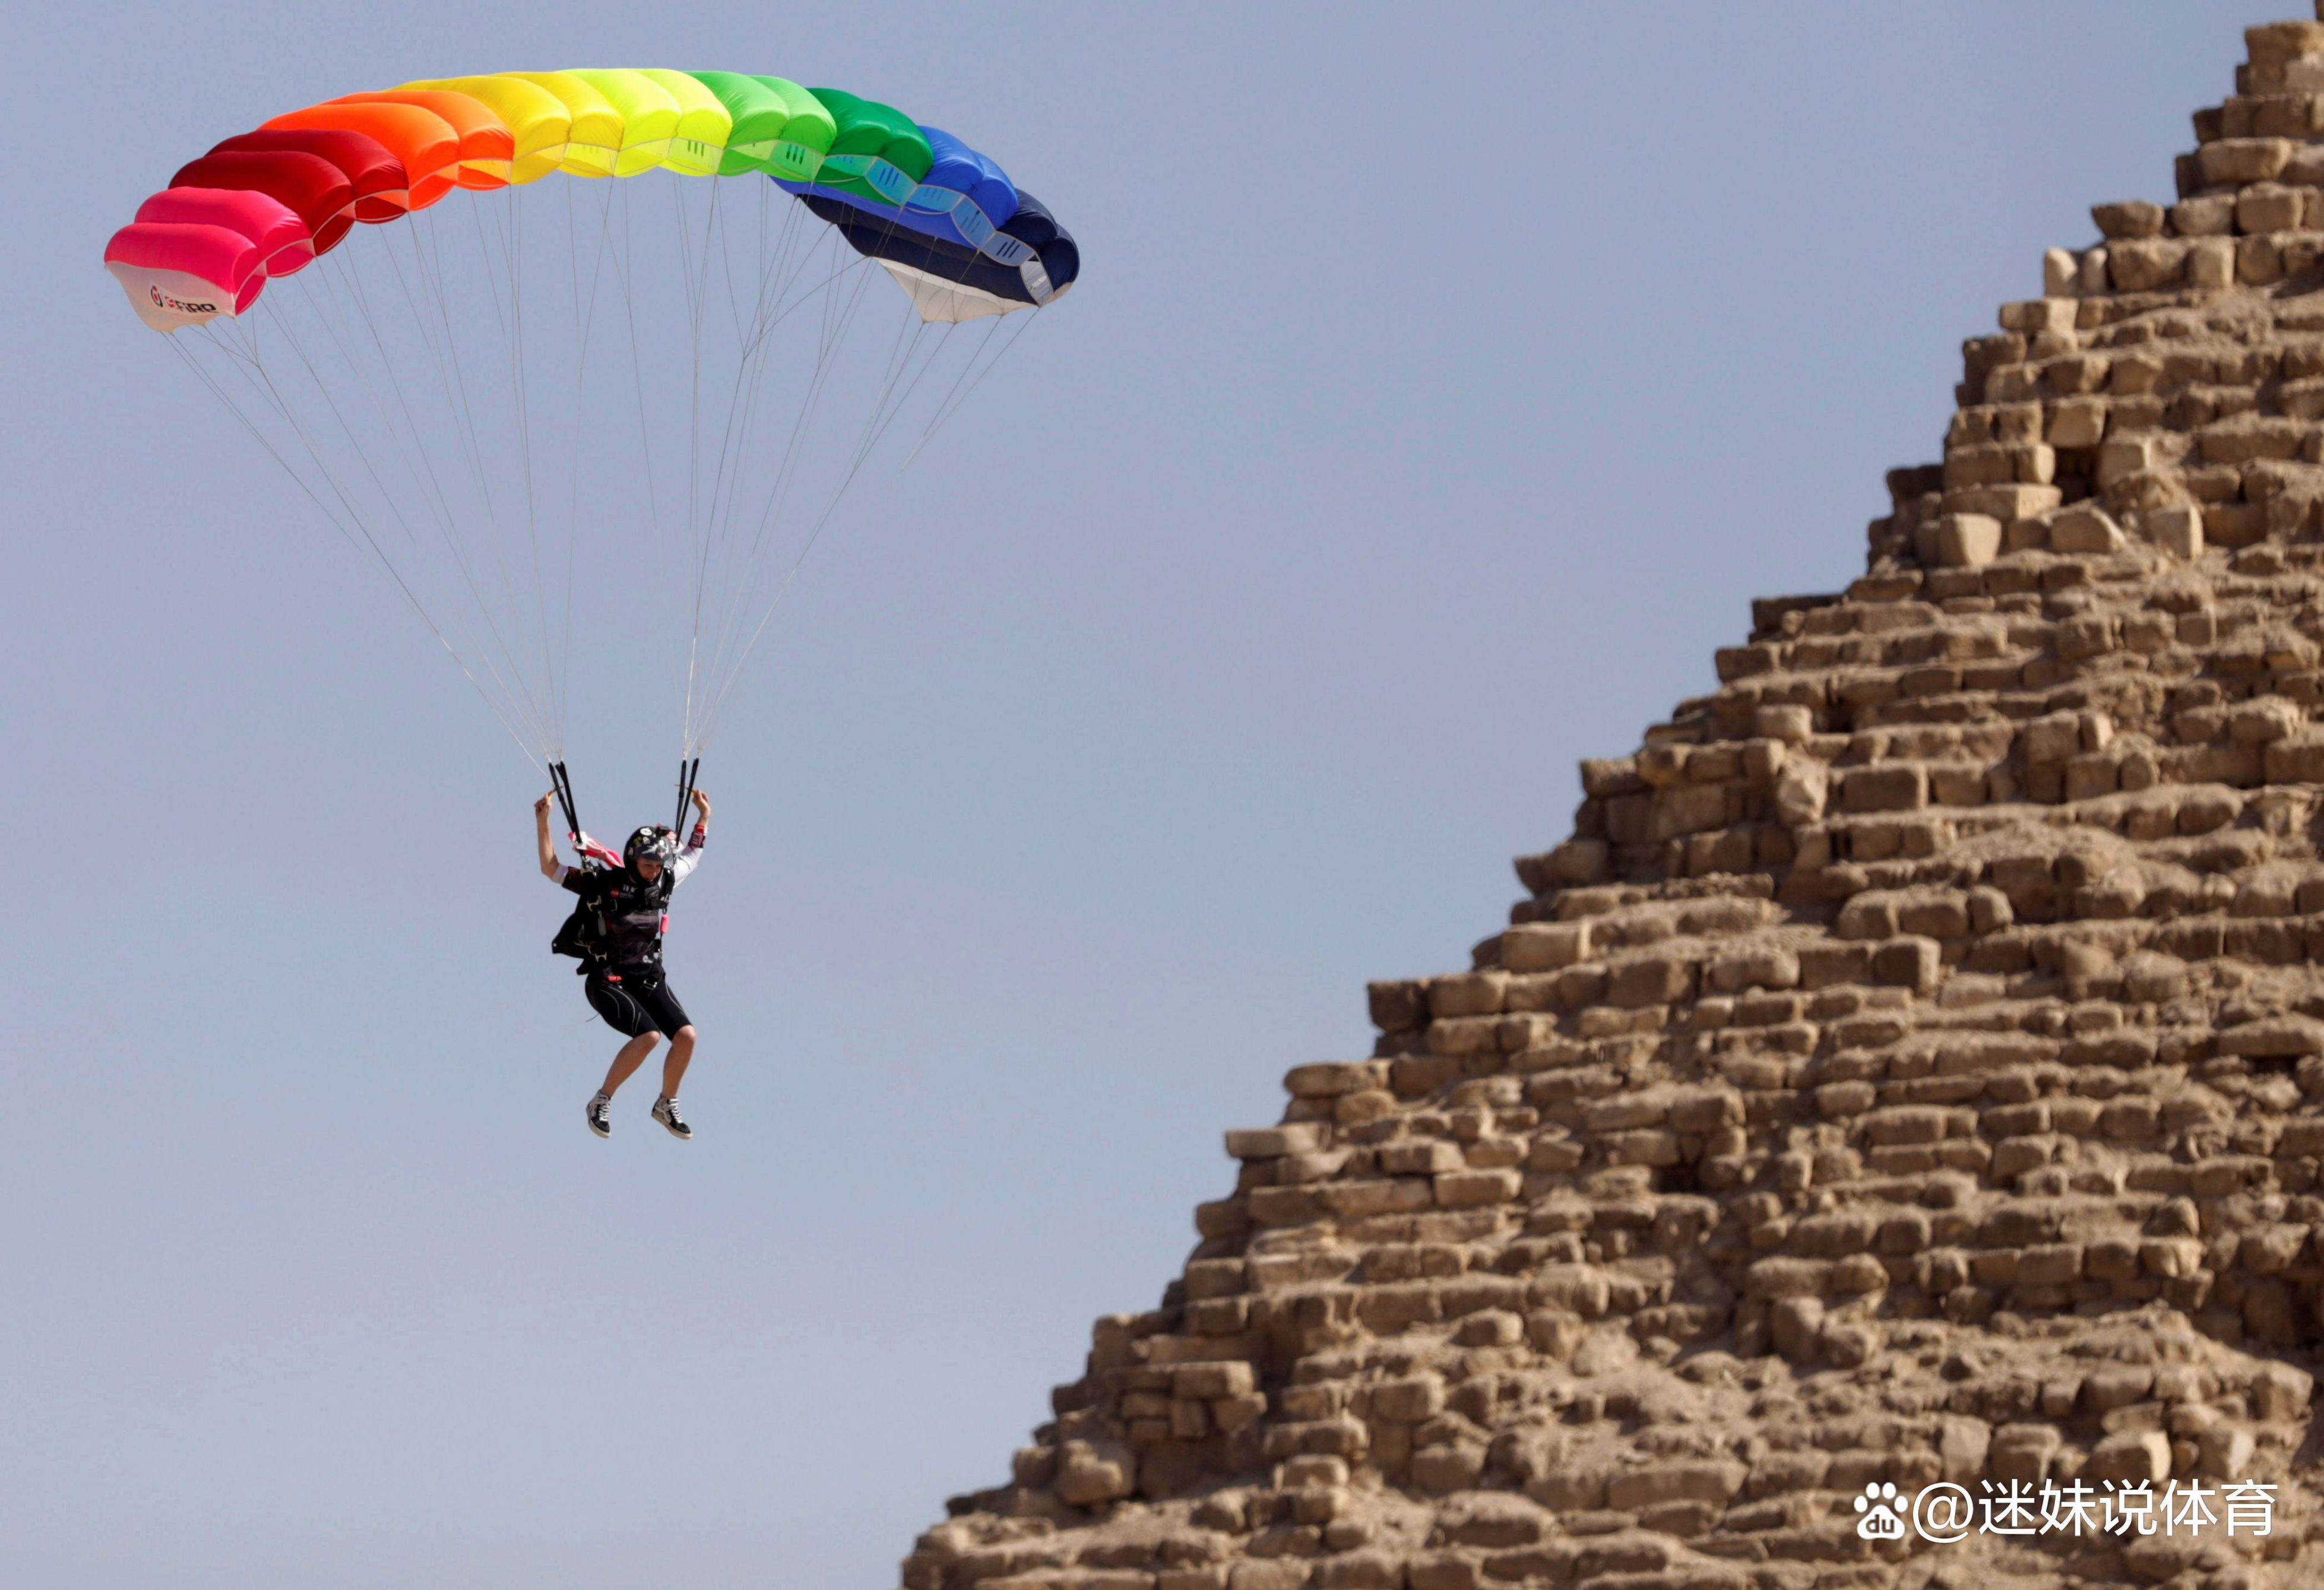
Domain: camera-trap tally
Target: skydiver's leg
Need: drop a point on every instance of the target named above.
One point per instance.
(626, 1064)
(673, 1064)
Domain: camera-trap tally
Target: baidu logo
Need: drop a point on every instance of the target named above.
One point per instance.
(1881, 1520)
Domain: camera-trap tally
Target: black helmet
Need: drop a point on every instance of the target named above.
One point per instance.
(651, 842)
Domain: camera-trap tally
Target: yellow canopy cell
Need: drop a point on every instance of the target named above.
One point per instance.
(537, 120)
(704, 123)
(649, 115)
(594, 143)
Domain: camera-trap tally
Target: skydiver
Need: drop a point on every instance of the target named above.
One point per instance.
(624, 911)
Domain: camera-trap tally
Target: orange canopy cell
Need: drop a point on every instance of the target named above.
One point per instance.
(423, 140)
(487, 147)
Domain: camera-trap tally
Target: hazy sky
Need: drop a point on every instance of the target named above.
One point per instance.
(1441, 383)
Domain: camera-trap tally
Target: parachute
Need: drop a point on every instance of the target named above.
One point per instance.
(636, 365)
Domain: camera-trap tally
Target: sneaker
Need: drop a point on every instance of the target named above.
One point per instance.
(598, 1123)
(664, 1110)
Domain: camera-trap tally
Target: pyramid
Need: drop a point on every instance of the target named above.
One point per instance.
(1907, 1082)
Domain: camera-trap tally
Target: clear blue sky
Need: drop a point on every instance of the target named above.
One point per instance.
(1438, 391)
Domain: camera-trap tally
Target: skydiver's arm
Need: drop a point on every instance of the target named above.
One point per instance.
(686, 859)
(549, 867)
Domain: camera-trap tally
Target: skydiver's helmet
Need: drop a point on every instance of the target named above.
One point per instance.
(652, 842)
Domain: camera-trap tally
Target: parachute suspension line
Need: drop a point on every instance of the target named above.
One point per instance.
(776, 274)
(832, 329)
(463, 419)
(694, 294)
(485, 257)
(584, 319)
(440, 505)
(734, 553)
(837, 317)
(944, 403)
(891, 403)
(624, 272)
(432, 491)
(521, 686)
(951, 403)
(512, 233)
(352, 527)
(427, 335)
(515, 683)
(425, 241)
(434, 272)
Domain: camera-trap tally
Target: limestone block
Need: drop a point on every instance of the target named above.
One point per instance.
(1089, 1472)
(2085, 529)
(2225, 1452)
(1463, 1189)
(1474, 993)
(1383, 1195)
(2022, 1451)
(2244, 160)
(1441, 1470)
(1408, 1400)
(2077, 422)
(1425, 1157)
(2212, 261)
(1716, 1483)
(1909, 962)
(2060, 273)
(1692, 809)
(1265, 1142)
(2144, 264)
(1962, 1446)
(2206, 216)
(1231, 1414)
(1769, 967)
(2296, 759)
(1268, 1573)
(2004, 503)
(2280, 1392)
(1444, 1573)
(1397, 1007)
(2130, 218)
(1210, 1381)
(1651, 980)
(2267, 207)
(2130, 1458)
(2123, 457)
(1545, 946)
(2034, 316)
(1792, 725)
(1802, 793)
(1898, 787)
(1967, 540)
(1466, 1035)
(2178, 531)
(2053, 738)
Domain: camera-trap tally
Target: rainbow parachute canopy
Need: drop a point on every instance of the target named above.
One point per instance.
(940, 217)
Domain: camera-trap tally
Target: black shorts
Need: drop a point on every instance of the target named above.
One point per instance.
(636, 1002)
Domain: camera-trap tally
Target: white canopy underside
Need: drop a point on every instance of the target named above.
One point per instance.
(950, 301)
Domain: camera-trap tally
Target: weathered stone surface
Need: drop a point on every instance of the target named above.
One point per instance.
(1911, 1068)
